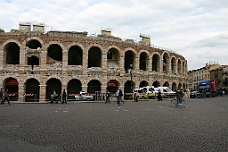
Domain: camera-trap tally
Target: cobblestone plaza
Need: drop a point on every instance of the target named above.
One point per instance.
(153, 126)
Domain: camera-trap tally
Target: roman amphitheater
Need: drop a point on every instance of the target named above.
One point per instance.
(33, 63)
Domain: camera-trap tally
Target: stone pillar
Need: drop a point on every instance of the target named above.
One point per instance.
(21, 92)
(65, 61)
(149, 65)
(42, 93)
(43, 61)
(85, 60)
(161, 66)
(121, 63)
(22, 61)
(84, 88)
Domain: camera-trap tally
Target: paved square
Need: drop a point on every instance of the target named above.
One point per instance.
(153, 126)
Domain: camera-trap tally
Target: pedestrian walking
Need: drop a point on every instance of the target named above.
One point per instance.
(136, 96)
(64, 97)
(121, 96)
(5, 97)
(107, 99)
(53, 97)
(159, 95)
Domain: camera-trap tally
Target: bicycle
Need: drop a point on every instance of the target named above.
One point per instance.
(177, 103)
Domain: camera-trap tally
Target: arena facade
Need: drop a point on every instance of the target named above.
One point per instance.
(33, 63)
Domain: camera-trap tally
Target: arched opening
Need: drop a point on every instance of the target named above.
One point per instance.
(112, 86)
(113, 57)
(179, 66)
(12, 53)
(11, 84)
(174, 87)
(128, 60)
(93, 86)
(179, 86)
(75, 56)
(143, 84)
(53, 84)
(74, 87)
(54, 53)
(33, 60)
(32, 90)
(127, 86)
(166, 84)
(143, 61)
(155, 62)
(33, 44)
(165, 62)
(173, 65)
(156, 84)
(94, 57)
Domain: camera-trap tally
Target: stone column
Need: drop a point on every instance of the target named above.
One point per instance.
(65, 61)
(43, 93)
(43, 61)
(21, 92)
(22, 61)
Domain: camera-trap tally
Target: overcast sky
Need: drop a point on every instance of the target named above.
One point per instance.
(196, 29)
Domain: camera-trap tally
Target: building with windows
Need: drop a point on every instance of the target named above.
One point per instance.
(210, 71)
(33, 63)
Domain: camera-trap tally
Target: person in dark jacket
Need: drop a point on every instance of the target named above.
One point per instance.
(107, 99)
(64, 97)
(5, 97)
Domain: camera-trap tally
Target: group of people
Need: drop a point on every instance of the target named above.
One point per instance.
(119, 95)
(4, 96)
(57, 97)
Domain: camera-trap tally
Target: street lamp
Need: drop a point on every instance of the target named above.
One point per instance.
(131, 67)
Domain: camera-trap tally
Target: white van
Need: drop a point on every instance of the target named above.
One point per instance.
(166, 91)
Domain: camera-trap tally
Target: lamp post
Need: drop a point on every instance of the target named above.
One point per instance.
(131, 66)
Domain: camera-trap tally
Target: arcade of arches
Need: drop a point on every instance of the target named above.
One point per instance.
(32, 69)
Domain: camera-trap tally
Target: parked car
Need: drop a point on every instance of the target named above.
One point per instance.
(193, 94)
(84, 96)
(166, 92)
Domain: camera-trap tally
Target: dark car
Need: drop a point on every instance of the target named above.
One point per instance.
(193, 94)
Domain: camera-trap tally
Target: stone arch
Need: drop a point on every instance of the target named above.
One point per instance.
(75, 55)
(32, 90)
(143, 61)
(129, 86)
(183, 67)
(93, 86)
(53, 84)
(33, 60)
(173, 65)
(166, 84)
(165, 62)
(174, 86)
(143, 84)
(12, 53)
(179, 86)
(113, 57)
(156, 84)
(74, 86)
(33, 44)
(94, 57)
(54, 53)
(179, 66)
(129, 59)
(11, 84)
(155, 62)
(112, 86)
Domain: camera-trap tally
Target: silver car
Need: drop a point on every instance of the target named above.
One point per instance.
(84, 96)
